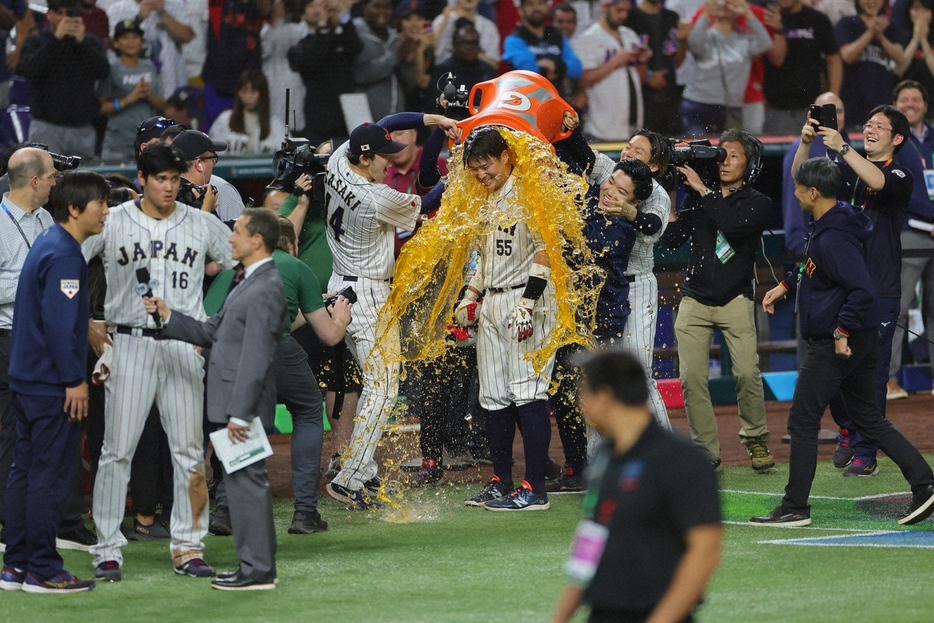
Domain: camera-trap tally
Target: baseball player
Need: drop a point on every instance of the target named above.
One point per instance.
(650, 221)
(362, 216)
(171, 240)
(513, 321)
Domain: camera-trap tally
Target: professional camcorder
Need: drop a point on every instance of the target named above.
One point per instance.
(297, 156)
(60, 162)
(700, 156)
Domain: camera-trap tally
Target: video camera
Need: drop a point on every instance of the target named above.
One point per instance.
(295, 157)
(60, 162)
(700, 156)
(456, 97)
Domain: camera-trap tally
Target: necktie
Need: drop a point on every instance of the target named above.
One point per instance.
(239, 272)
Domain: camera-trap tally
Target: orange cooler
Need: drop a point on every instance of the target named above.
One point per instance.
(521, 100)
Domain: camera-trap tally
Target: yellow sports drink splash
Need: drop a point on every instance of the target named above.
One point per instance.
(430, 271)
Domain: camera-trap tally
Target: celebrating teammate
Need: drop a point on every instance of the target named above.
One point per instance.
(362, 216)
(169, 241)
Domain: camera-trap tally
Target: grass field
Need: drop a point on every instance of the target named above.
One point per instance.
(450, 563)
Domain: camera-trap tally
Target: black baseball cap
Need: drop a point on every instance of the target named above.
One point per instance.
(128, 25)
(150, 129)
(370, 138)
(193, 143)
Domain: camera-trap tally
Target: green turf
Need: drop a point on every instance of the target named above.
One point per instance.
(455, 564)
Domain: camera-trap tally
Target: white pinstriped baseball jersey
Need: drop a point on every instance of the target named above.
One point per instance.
(506, 254)
(362, 217)
(174, 249)
(642, 257)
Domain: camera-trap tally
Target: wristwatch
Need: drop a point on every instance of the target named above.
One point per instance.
(844, 150)
(837, 335)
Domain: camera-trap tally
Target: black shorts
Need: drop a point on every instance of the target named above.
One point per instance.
(333, 366)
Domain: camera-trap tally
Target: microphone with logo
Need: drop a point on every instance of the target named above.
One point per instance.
(144, 288)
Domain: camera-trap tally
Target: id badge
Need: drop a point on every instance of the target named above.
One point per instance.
(929, 182)
(723, 249)
(586, 551)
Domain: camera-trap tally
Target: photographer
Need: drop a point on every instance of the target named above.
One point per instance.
(882, 188)
(725, 226)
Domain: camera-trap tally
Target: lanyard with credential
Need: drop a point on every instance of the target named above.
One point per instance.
(21, 232)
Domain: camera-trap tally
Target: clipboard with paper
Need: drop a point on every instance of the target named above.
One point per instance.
(238, 455)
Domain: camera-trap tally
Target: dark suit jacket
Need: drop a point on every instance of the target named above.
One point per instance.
(243, 337)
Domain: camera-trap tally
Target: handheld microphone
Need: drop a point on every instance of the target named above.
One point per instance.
(144, 288)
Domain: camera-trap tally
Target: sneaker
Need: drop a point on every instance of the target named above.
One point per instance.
(553, 471)
(357, 500)
(429, 476)
(195, 568)
(922, 505)
(759, 453)
(843, 454)
(220, 522)
(864, 467)
(492, 491)
(568, 483)
(894, 391)
(80, 539)
(372, 485)
(304, 522)
(154, 532)
(779, 517)
(108, 570)
(12, 579)
(334, 466)
(717, 465)
(61, 582)
(522, 499)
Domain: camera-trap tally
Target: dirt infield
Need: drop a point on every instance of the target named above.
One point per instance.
(914, 416)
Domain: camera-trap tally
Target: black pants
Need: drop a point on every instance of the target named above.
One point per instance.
(821, 375)
(439, 395)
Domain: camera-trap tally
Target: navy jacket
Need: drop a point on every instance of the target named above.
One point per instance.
(834, 288)
(610, 238)
(49, 347)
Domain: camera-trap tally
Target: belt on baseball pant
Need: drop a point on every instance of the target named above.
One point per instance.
(6, 333)
(355, 278)
(631, 278)
(139, 331)
(506, 289)
(820, 338)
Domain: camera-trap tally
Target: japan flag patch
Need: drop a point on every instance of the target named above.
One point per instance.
(70, 287)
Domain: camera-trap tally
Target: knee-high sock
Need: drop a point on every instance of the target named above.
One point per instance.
(501, 432)
(536, 436)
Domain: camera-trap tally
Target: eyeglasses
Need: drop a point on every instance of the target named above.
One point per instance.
(876, 127)
(206, 158)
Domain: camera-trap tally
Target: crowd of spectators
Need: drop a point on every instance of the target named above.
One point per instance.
(681, 67)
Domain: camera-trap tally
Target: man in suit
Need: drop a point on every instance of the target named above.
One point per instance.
(243, 336)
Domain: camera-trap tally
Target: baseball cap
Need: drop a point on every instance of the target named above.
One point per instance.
(407, 7)
(370, 138)
(193, 143)
(150, 129)
(190, 98)
(128, 25)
